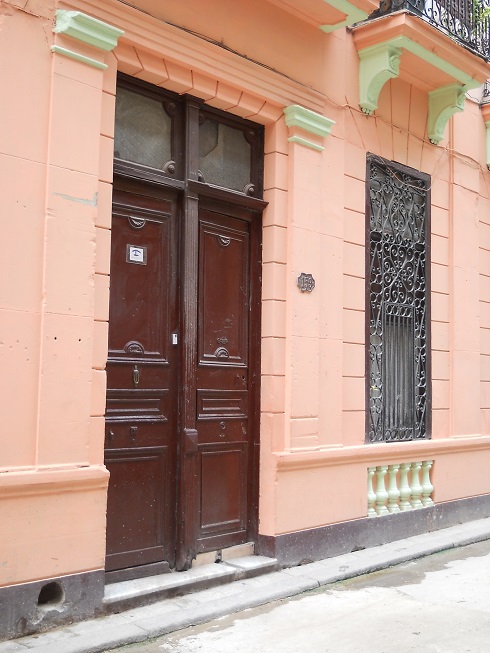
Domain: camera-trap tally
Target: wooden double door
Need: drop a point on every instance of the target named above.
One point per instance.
(182, 376)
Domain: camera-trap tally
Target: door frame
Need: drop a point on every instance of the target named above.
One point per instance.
(193, 193)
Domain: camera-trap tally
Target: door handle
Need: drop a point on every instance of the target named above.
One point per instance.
(136, 376)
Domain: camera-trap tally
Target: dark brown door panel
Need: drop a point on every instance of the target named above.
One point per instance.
(141, 419)
(138, 524)
(224, 397)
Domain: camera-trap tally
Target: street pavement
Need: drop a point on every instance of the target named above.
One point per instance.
(438, 604)
(445, 608)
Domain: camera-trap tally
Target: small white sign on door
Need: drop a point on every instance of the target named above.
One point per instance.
(136, 254)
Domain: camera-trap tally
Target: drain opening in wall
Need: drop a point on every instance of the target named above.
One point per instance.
(51, 594)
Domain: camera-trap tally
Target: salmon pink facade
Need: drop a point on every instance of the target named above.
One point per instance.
(350, 414)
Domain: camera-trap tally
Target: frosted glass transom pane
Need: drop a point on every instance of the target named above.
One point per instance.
(224, 155)
(143, 130)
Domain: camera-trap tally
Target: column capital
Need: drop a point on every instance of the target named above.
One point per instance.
(304, 123)
(88, 30)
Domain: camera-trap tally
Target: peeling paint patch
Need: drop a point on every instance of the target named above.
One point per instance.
(80, 200)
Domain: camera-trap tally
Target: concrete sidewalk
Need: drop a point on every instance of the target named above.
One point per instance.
(151, 621)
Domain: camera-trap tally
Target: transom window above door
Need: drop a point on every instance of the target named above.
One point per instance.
(172, 138)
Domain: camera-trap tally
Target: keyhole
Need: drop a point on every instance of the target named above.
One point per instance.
(136, 376)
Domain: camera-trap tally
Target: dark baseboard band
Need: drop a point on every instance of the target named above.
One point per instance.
(33, 607)
(302, 547)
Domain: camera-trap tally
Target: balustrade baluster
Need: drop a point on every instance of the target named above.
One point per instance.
(405, 491)
(415, 486)
(371, 493)
(381, 493)
(427, 487)
(393, 491)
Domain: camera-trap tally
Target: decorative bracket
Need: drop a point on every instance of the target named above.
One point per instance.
(88, 30)
(485, 110)
(443, 103)
(487, 125)
(302, 122)
(379, 63)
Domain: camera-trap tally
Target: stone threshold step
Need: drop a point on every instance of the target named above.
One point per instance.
(143, 591)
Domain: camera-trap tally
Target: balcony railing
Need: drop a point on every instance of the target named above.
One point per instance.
(466, 21)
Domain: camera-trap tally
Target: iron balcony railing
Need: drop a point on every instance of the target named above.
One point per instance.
(466, 21)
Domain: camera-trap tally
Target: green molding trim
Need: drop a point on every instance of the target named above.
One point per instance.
(352, 15)
(306, 143)
(376, 68)
(78, 57)
(87, 29)
(379, 63)
(443, 103)
(487, 125)
(310, 121)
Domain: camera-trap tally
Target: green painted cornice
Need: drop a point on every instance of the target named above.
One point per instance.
(87, 29)
(443, 103)
(79, 57)
(352, 15)
(308, 121)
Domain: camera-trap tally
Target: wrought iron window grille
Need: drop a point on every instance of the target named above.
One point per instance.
(397, 276)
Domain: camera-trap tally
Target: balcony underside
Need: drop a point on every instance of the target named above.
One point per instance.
(406, 46)
(328, 15)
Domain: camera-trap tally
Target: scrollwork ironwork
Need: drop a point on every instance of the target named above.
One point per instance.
(468, 21)
(397, 299)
